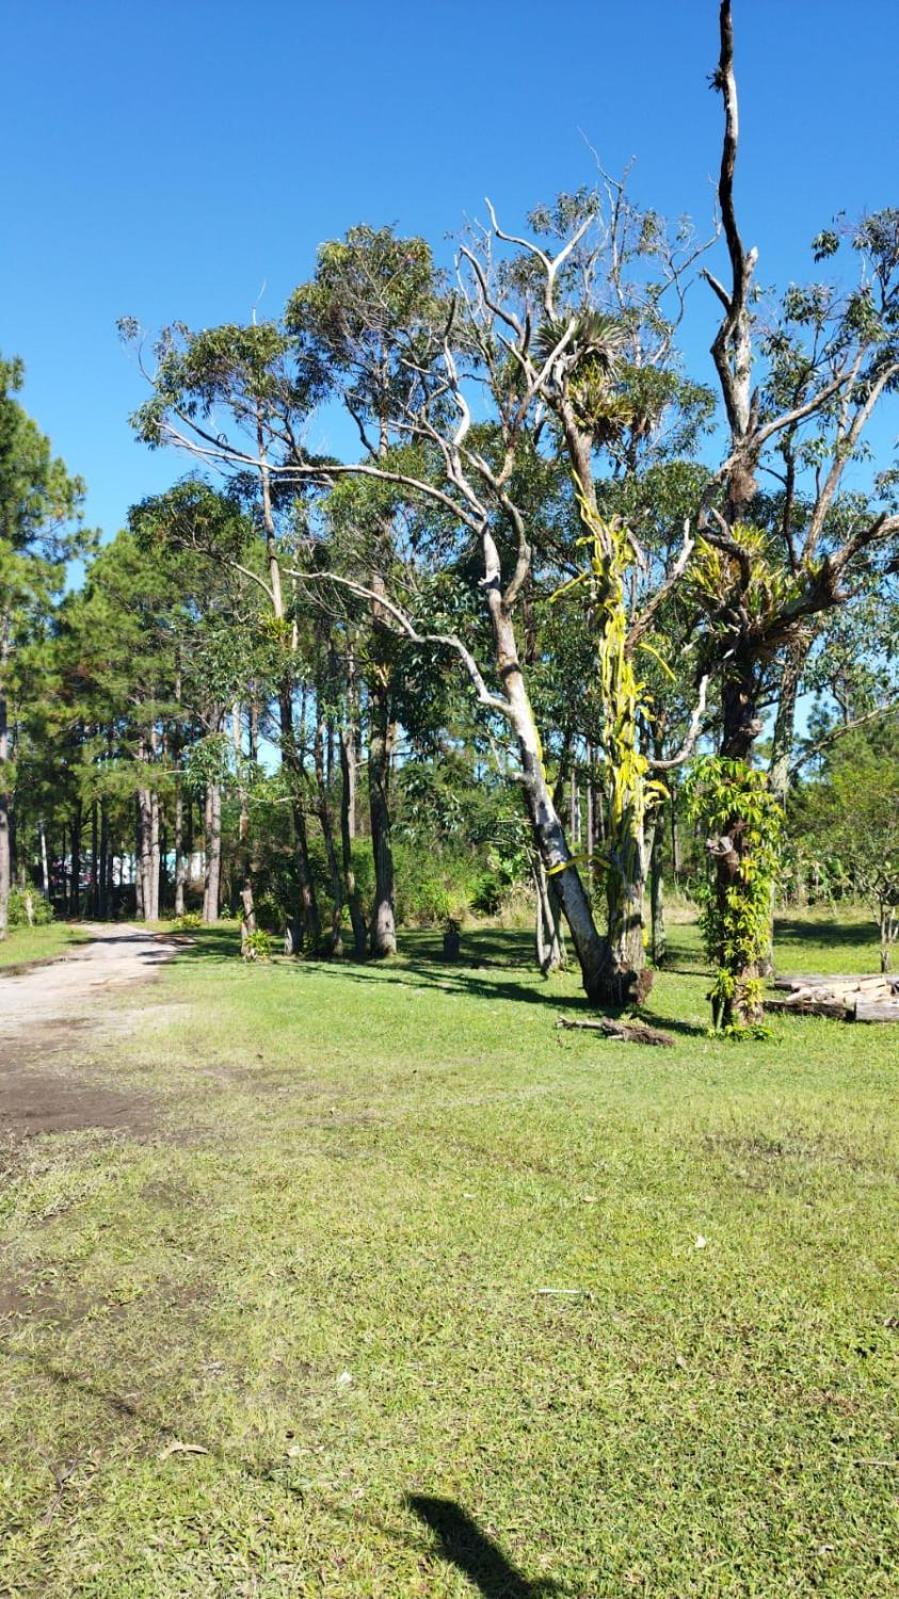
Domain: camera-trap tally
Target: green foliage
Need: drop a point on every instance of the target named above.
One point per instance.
(848, 821)
(41, 909)
(745, 823)
(188, 922)
(257, 946)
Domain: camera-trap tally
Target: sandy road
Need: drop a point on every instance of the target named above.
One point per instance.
(45, 1011)
(70, 987)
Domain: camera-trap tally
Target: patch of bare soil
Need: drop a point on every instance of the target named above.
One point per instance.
(41, 1010)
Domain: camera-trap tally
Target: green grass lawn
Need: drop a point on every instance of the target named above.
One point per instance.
(322, 1257)
(24, 944)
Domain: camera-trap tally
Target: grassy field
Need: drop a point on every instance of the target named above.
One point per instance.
(25, 944)
(453, 1303)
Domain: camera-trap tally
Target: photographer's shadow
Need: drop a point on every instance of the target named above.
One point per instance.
(463, 1544)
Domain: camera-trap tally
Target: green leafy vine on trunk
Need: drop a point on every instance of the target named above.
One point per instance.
(744, 824)
(624, 702)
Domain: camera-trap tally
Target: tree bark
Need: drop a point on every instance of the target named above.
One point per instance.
(290, 755)
(740, 729)
(213, 842)
(785, 721)
(549, 945)
(103, 862)
(347, 830)
(327, 826)
(75, 906)
(382, 935)
(45, 861)
(602, 983)
(95, 863)
(180, 857)
(656, 893)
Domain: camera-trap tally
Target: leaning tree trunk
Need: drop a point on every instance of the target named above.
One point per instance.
(550, 957)
(593, 951)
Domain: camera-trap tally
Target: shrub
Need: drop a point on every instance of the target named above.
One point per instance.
(41, 909)
(257, 946)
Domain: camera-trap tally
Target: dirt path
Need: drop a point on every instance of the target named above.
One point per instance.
(44, 1010)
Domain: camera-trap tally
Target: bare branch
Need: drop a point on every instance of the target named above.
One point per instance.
(492, 702)
(693, 732)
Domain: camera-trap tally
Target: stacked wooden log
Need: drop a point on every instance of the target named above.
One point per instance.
(849, 999)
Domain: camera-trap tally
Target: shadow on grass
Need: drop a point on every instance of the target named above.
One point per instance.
(448, 979)
(829, 934)
(462, 1544)
(426, 970)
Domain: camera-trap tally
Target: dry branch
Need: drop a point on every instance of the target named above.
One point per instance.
(628, 1032)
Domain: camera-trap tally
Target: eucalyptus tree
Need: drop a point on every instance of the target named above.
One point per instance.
(40, 531)
(552, 353)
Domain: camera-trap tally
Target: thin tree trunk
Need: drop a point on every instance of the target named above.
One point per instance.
(95, 870)
(45, 862)
(349, 735)
(213, 841)
(347, 830)
(657, 893)
(244, 853)
(76, 859)
(327, 826)
(785, 721)
(103, 862)
(180, 858)
(380, 743)
(549, 947)
(290, 755)
(381, 735)
(676, 858)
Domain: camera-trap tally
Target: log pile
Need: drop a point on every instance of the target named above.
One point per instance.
(849, 999)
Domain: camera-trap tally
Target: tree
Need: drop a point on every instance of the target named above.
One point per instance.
(829, 359)
(40, 510)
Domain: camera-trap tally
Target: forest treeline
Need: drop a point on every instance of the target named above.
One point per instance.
(541, 629)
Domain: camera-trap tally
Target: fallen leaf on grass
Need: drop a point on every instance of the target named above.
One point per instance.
(176, 1447)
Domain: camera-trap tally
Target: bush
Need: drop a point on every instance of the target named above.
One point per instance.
(41, 909)
(188, 922)
(257, 946)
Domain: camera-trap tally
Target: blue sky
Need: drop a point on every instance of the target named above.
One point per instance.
(183, 160)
